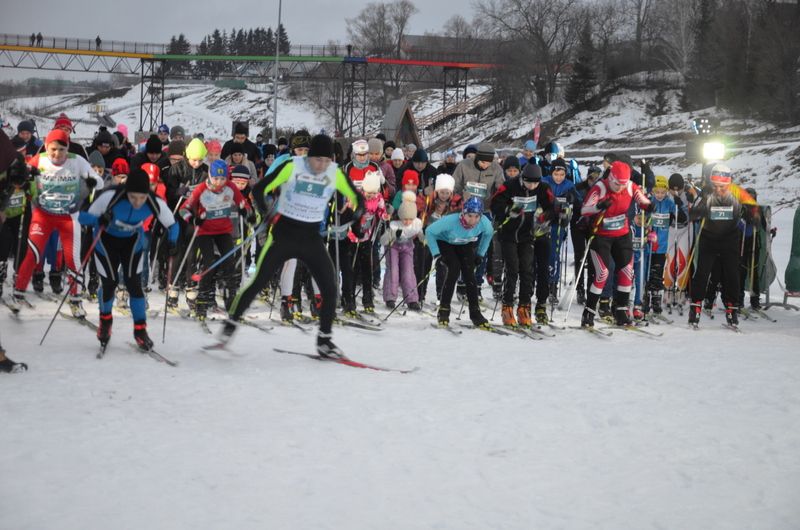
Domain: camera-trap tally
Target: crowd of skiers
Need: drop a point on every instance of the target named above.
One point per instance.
(242, 220)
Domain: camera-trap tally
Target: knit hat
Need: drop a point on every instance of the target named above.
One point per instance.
(163, 128)
(397, 154)
(63, 121)
(469, 149)
(123, 130)
(510, 161)
(270, 149)
(236, 148)
(721, 174)
(153, 144)
(96, 159)
(409, 176)
(558, 163)
(218, 169)
(25, 125)
(282, 141)
(375, 145)
(408, 206)
(138, 182)
(661, 183)
(118, 139)
(176, 147)
(485, 152)
(410, 147)
(213, 146)
(196, 149)
(57, 135)
(360, 147)
(620, 173)
(241, 128)
(153, 172)
(177, 130)
(420, 155)
(301, 138)
(389, 143)
(529, 145)
(450, 153)
(531, 173)
(321, 145)
(240, 172)
(676, 181)
(120, 167)
(104, 137)
(371, 182)
(444, 181)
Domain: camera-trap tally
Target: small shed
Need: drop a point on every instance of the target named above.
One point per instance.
(399, 124)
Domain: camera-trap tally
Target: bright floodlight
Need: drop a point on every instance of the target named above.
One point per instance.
(713, 151)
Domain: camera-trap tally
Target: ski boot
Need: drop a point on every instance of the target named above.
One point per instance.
(104, 329)
(541, 315)
(201, 310)
(694, 312)
(553, 297)
(755, 303)
(461, 291)
(477, 318)
(443, 316)
(3, 273)
(732, 316)
(191, 299)
(638, 313)
(414, 306)
(172, 299)
(587, 318)
(38, 281)
(55, 282)
(655, 303)
(390, 304)
(76, 307)
(604, 308)
(507, 314)
(92, 286)
(122, 299)
(287, 315)
(326, 347)
(580, 295)
(369, 309)
(621, 315)
(708, 307)
(142, 338)
(10, 367)
(524, 315)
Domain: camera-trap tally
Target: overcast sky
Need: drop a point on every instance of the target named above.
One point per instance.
(306, 21)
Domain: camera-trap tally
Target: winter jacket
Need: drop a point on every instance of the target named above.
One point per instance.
(435, 208)
(614, 220)
(721, 215)
(450, 230)
(489, 180)
(181, 180)
(250, 150)
(518, 211)
(215, 207)
(61, 190)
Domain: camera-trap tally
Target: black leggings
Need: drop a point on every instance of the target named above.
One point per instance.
(206, 245)
(291, 239)
(725, 251)
(459, 259)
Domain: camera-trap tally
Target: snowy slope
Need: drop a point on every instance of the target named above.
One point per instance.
(697, 430)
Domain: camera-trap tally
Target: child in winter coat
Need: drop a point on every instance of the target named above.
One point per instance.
(399, 243)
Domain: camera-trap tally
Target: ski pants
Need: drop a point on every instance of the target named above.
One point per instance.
(745, 270)
(620, 249)
(558, 238)
(400, 272)
(43, 224)
(725, 250)
(109, 254)
(639, 280)
(291, 239)
(206, 244)
(458, 259)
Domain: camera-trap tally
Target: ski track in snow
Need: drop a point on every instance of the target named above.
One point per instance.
(694, 430)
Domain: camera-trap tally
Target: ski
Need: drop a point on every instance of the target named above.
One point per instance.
(747, 314)
(265, 329)
(48, 297)
(204, 326)
(367, 320)
(594, 331)
(763, 314)
(153, 354)
(490, 329)
(522, 332)
(639, 329)
(292, 324)
(11, 307)
(80, 320)
(539, 329)
(346, 362)
(102, 352)
(456, 332)
(732, 327)
(356, 324)
(658, 318)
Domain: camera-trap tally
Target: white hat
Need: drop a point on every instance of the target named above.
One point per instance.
(444, 182)
(397, 154)
(360, 147)
(371, 182)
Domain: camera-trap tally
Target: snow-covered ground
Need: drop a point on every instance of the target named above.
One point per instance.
(696, 430)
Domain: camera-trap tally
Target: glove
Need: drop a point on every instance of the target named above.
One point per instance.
(604, 204)
(478, 261)
(652, 238)
(398, 234)
(172, 248)
(650, 207)
(773, 232)
(19, 173)
(515, 210)
(105, 219)
(91, 182)
(251, 218)
(198, 220)
(183, 191)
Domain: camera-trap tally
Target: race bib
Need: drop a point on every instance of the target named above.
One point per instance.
(614, 223)
(17, 200)
(478, 189)
(721, 213)
(311, 185)
(528, 204)
(660, 220)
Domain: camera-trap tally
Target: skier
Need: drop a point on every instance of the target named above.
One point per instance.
(64, 182)
(608, 203)
(720, 207)
(461, 241)
(306, 185)
(522, 208)
(122, 211)
(564, 192)
(399, 242)
(439, 201)
(577, 230)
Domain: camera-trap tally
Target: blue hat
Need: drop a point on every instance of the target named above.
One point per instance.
(163, 128)
(530, 145)
(218, 169)
(473, 205)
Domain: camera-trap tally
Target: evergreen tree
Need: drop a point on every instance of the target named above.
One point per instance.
(283, 41)
(583, 76)
(700, 84)
(269, 41)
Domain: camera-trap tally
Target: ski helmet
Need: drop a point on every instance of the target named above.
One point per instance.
(153, 172)
(473, 205)
(676, 181)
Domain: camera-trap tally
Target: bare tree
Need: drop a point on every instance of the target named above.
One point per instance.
(642, 12)
(544, 30)
(674, 22)
(608, 21)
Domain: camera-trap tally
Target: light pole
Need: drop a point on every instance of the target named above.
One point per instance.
(275, 77)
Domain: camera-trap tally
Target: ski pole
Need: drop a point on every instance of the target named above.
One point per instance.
(753, 264)
(641, 261)
(196, 277)
(244, 245)
(583, 262)
(74, 279)
(183, 262)
(170, 262)
(158, 243)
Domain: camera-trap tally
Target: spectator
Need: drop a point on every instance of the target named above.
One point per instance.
(240, 132)
(33, 38)
(98, 42)
(177, 133)
(153, 153)
(39, 39)
(65, 124)
(104, 144)
(25, 134)
(163, 135)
